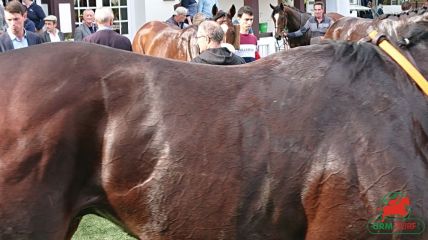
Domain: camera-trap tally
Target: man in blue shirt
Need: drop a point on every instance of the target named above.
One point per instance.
(206, 6)
(16, 37)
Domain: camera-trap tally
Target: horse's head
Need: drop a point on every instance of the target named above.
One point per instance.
(279, 17)
(231, 31)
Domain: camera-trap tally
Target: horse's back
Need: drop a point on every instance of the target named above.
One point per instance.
(334, 16)
(144, 39)
(349, 29)
(160, 39)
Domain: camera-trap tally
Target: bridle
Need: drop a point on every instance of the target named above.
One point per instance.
(285, 42)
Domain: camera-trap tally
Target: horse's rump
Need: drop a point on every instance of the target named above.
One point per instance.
(163, 40)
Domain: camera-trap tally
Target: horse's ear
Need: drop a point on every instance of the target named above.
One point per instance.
(232, 11)
(214, 10)
(272, 6)
(281, 6)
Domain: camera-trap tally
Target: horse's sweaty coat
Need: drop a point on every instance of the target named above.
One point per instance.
(298, 145)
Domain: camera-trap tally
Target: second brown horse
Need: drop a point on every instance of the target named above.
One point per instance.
(160, 39)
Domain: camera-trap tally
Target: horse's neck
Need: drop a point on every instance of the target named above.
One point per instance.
(296, 19)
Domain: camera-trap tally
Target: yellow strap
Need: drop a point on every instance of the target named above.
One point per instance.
(403, 62)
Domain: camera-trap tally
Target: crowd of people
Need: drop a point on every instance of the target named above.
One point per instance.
(209, 41)
(28, 25)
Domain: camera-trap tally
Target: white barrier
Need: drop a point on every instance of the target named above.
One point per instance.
(266, 46)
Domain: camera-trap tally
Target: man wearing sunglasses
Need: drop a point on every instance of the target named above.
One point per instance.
(209, 35)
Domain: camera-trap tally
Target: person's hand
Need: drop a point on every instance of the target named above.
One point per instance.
(285, 34)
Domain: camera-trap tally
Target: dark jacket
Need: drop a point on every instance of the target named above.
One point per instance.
(7, 45)
(218, 56)
(35, 13)
(47, 38)
(82, 31)
(109, 38)
(29, 25)
(186, 3)
(172, 22)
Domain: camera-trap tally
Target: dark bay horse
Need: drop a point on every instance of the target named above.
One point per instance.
(169, 150)
(162, 40)
(284, 16)
(355, 29)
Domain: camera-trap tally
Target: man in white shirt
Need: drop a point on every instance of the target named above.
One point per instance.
(52, 34)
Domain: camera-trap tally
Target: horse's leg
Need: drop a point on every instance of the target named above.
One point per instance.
(47, 174)
(73, 227)
(33, 205)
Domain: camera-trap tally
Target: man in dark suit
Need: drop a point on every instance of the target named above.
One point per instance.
(105, 34)
(16, 37)
(52, 34)
(87, 27)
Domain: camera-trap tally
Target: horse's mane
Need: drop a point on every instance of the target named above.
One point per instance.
(417, 33)
(277, 9)
(395, 29)
(360, 54)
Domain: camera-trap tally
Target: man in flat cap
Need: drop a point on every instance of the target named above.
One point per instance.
(52, 34)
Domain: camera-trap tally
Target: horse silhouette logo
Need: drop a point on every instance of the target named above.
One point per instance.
(396, 205)
(395, 216)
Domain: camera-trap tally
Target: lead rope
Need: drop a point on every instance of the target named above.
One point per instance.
(400, 59)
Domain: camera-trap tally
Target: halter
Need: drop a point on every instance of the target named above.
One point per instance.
(285, 42)
(381, 41)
